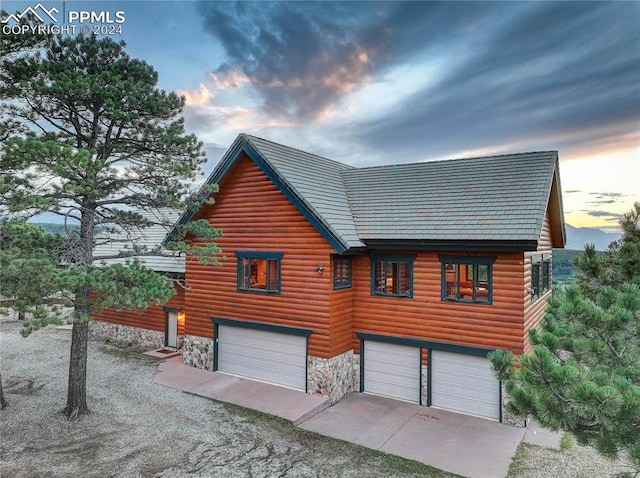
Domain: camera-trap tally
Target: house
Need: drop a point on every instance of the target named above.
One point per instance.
(392, 280)
(156, 326)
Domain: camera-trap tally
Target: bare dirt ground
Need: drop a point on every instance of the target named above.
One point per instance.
(140, 429)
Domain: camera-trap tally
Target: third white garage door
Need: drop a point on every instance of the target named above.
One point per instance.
(464, 383)
(263, 355)
(392, 370)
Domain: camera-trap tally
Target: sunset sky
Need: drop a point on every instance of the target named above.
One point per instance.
(370, 83)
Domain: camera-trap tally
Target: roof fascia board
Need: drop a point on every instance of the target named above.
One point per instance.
(556, 210)
(216, 175)
(468, 246)
(299, 203)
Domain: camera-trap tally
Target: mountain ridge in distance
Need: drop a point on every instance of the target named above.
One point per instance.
(578, 237)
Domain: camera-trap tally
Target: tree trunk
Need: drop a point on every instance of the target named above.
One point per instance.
(3, 402)
(77, 390)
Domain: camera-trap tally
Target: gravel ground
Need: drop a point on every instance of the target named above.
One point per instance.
(139, 429)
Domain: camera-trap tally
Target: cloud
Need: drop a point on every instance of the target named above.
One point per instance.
(493, 76)
(534, 76)
(201, 96)
(602, 198)
(300, 57)
(605, 215)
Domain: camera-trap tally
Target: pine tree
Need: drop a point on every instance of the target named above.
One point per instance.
(29, 258)
(583, 375)
(97, 141)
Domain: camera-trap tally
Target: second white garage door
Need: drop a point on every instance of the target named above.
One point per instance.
(392, 370)
(271, 357)
(464, 383)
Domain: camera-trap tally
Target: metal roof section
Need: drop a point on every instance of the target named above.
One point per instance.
(149, 237)
(496, 202)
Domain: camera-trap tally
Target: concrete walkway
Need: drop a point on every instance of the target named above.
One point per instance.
(456, 443)
(292, 405)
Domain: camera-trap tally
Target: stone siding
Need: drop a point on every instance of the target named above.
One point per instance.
(198, 352)
(128, 334)
(424, 371)
(333, 377)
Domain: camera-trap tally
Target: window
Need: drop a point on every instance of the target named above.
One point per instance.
(540, 275)
(259, 271)
(392, 275)
(341, 272)
(467, 278)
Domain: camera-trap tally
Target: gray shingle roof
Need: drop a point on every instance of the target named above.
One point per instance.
(316, 181)
(498, 198)
(149, 237)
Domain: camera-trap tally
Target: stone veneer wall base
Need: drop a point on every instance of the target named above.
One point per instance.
(126, 333)
(333, 377)
(198, 352)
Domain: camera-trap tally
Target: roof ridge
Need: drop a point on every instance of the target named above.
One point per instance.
(249, 137)
(450, 160)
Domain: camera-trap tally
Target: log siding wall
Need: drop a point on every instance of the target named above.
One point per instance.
(534, 309)
(254, 215)
(152, 318)
(427, 316)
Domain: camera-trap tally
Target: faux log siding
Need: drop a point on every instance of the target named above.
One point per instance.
(152, 318)
(254, 215)
(341, 320)
(426, 316)
(534, 310)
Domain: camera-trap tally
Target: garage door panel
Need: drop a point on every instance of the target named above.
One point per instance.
(263, 355)
(392, 370)
(464, 383)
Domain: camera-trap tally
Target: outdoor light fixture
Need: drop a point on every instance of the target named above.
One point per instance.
(319, 269)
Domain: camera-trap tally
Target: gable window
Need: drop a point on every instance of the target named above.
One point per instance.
(259, 271)
(392, 275)
(467, 278)
(341, 272)
(540, 275)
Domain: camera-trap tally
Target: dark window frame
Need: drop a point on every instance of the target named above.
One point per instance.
(342, 272)
(540, 275)
(244, 271)
(451, 264)
(378, 285)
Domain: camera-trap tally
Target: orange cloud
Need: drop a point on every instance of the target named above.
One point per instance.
(231, 79)
(200, 96)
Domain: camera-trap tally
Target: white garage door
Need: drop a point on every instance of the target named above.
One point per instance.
(464, 383)
(392, 370)
(268, 356)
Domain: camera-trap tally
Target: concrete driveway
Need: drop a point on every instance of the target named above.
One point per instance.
(461, 444)
(468, 446)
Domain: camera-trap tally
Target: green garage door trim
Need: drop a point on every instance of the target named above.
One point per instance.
(293, 344)
(391, 370)
(467, 395)
(431, 346)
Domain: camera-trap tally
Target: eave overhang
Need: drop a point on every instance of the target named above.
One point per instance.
(462, 245)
